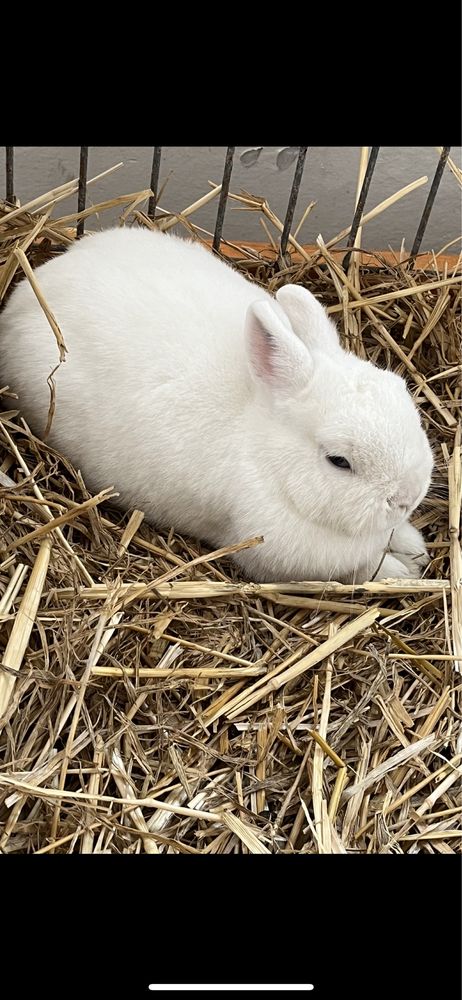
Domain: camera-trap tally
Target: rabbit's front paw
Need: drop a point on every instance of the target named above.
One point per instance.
(392, 568)
(407, 545)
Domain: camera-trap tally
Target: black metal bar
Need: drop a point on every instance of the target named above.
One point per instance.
(82, 198)
(10, 173)
(429, 202)
(361, 202)
(154, 181)
(293, 198)
(223, 197)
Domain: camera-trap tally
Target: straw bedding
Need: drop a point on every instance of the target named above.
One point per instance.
(153, 701)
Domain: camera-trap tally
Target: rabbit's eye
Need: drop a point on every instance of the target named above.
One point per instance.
(341, 463)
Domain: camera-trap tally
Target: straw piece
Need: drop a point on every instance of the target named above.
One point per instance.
(455, 552)
(355, 801)
(130, 531)
(179, 673)
(5, 481)
(133, 593)
(440, 790)
(56, 522)
(123, 783)
(433, 835)
(429, 656)
(196, 590)
(164, 224)
(397, 803)
(388, 765)
(46, 509)
(260, 204)
(93, 656)
(260, 770)
(13, 589)
(280, 228)
(245, 833)
(275, 679)
(53, 196)
(147, 802)
(86, 846)
(308, 209)
(321, 823)
(381, 207)
(124, 199)
(315, 604)
(11, 266)
(323, 744)
(400, 293)
(23, 261)
(112, 624)
(22, 628)
(340, 782)
(162, 818)
(159, 630)
(434, 318)
(452, 166)
(421, 661)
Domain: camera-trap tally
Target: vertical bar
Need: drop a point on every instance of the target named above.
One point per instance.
(154, 181)
(10, 173)
(223, 197)
(361, 202)
(429, 202)
(293, 199)
(82, 197)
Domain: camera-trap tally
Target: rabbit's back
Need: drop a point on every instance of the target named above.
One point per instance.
(155, 371)
(130, 289)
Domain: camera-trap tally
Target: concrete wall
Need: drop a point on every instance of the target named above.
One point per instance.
(330, 178)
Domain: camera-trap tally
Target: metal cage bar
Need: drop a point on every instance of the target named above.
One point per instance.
(155, 170)
(430, 200)
(82, 196)
(9, 150)
(223, 197)
(293, 199)
(361, 202)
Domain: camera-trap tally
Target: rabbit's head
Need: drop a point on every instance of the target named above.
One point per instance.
(342, 437)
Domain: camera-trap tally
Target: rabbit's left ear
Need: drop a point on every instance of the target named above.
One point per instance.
(277, 358)
(308, 319)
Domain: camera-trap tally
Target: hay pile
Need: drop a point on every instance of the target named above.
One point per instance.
(152, 701)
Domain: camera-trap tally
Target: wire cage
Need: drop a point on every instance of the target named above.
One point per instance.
(225, 184)
(154, 701)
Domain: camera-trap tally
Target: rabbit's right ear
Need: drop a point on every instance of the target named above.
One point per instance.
(277, 358)
(309, 319)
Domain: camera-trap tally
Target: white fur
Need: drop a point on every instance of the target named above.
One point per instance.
(213, 407)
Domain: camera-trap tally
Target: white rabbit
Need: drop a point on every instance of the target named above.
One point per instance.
(219, 410)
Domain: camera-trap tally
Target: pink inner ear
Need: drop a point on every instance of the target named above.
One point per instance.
(262, 351)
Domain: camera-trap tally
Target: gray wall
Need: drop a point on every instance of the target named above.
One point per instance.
(330, 178)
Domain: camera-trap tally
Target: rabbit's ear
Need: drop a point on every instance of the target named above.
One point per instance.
(277, 358)
(309, 319)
